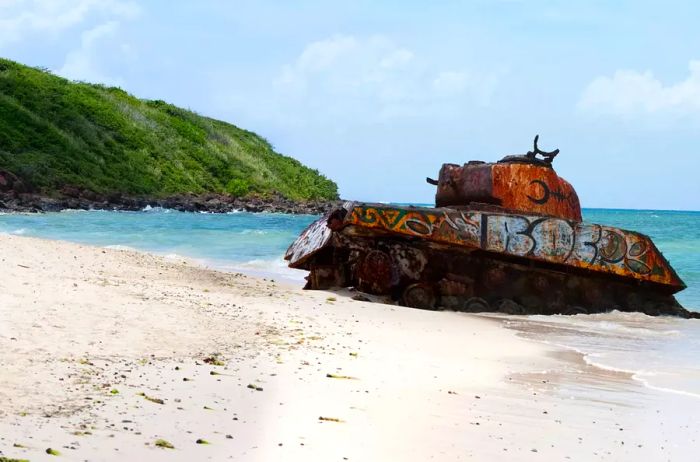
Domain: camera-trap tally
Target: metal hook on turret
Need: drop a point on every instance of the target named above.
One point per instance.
(547, 156)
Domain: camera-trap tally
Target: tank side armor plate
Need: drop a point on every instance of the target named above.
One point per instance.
(591, 247)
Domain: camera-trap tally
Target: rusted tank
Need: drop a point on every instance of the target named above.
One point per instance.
(505, 236)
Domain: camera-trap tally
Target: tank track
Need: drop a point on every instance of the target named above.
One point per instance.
(424, 275)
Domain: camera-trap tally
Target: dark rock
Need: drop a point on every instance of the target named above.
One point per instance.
(73, 197)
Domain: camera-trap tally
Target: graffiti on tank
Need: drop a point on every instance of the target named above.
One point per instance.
(466, 228)
(547, 239)
(546, 193)
(406, 221)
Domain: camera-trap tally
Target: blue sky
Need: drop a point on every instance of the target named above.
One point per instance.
(377, 95)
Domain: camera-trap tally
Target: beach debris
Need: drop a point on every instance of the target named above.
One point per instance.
(161, 443)
(353, 354)
(331, 299)
(10, 459)
(214, 360)
(113, 391)
(202, 441)
(339, 376)
(252, 386)
(52, 452)
(207, 408)
(151, 398)
(330, 419)
(361, 298)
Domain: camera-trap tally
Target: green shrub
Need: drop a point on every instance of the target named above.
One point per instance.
(238, 187)
(54, 132)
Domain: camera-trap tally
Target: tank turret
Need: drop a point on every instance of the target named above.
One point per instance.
(515, 184)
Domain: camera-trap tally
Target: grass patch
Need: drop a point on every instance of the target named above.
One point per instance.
(56, 133)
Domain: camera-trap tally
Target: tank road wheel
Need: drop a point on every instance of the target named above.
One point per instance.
(419, 295)
(574, 310)
(476, 305)
(508, 306)
(376, 273)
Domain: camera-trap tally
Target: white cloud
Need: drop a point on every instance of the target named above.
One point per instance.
(374, 78)
(451, 82)
(632, 93)
(81, 64)
(20, 19)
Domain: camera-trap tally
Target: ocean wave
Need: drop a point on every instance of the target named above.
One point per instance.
(674, 391)
(253, 231)
(14, 232)
(157, 209)
(275, 268)
(68, 211)
(121, 247)
(644, 377)
(613, 323)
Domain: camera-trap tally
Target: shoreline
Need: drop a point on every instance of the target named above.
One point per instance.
(79, 322)
(76, 199)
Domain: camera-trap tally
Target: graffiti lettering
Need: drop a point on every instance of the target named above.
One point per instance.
(548, 239)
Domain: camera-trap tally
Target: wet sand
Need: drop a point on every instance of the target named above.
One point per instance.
(105, 352)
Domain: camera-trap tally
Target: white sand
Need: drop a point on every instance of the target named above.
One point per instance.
(85, 333)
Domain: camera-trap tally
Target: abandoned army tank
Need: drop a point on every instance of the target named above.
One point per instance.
(505, 237)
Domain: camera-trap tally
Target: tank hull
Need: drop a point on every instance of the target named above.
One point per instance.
(471, 259)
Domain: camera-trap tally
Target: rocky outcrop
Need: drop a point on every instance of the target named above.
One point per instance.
(14, 198)
(10, 183)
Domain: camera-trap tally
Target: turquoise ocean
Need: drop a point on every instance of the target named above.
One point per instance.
(255, 243)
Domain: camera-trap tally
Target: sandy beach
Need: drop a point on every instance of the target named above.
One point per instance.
(116, 355)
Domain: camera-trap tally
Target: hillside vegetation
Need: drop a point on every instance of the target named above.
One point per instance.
(56, 133)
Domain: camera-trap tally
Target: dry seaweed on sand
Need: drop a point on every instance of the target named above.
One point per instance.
(161, 443)
(330, 419)
(214, 360)
(339, 376)
(151, 398)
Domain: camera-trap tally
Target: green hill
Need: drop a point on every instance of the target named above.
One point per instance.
(56, 133)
